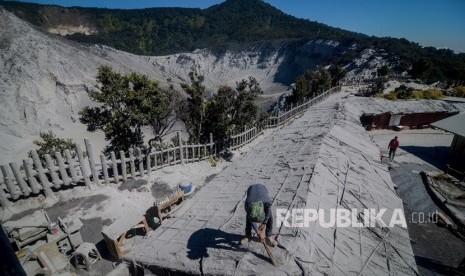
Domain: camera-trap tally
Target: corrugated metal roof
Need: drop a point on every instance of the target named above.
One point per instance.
(454, 124)
(454, 99)
(379, 105)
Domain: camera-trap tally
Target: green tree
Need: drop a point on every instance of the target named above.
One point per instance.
(126, 104)
(311, 84)
(337, 73)
(232, 109)
(193, 114)
(51, 144)
(383, 71)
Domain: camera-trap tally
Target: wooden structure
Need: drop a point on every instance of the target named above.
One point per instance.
(456, 126)
(116, 234)
(163, 208)
(75, 167)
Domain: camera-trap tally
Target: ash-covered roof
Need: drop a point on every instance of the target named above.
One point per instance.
(454, 124)
(325, 160)
(379, 105)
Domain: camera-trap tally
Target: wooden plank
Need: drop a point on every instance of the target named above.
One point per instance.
(90, 157)
(42, 177)
(52, 171)
(35, 187)
(103, 163)
(7, 177)
(114, 166)
(83, 167)
(123, 165)
(62, 169)
(20, 179)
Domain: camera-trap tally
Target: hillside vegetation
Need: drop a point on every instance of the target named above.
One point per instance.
(232, 25)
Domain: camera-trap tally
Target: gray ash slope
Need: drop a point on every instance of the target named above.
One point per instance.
(324, 159)
(45, 79)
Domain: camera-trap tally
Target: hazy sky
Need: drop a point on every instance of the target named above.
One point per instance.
(438, 23)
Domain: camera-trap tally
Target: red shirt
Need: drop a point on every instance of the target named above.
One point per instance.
(394, 144)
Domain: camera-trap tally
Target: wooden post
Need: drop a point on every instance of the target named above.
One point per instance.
(90, 156)
(35, 187)
(42, 177)
(9, 184)
(140, 161)
(204, 150)
(62, 169)
(83, 167)
(148, 160)
(71, 166)
(19, 179)
(211, 144)
(103, 162)
(51, 169)
(131, 163)
(3, 199)
(122, 157)
(114, 166)
(181, 155)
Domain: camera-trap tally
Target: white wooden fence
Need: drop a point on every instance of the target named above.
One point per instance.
(63, 170)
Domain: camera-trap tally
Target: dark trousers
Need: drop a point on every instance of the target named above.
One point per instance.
(392, 152)
(269, 226)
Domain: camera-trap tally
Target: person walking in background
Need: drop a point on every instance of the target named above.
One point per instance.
(393, 145)
(258, 209)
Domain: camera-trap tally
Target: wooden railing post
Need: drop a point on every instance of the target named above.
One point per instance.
(9, 184)
(62, 169)
(123, 165)
(103, 162)
(83, 167)
(140, 161)
(211, 144)
(35, 187)
(181, 154)
(42, 177)
(71, 166)
(131, 163)
(90, 156)
(51, 170)
(19, 179)
(114, 166)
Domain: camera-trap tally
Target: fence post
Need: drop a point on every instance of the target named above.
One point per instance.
(90, 156)
(82, 165)
(51, 169)
(181, 155)
(103, 162)
(140, 162)
(123, 165)
(131, 163)
(148, 160)
(114, 166)
(9, 184)
(30, 177)
(4, 200)
(19, 179)
(62, 169)
(42, 177)
(71, 166)
(211, 143)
